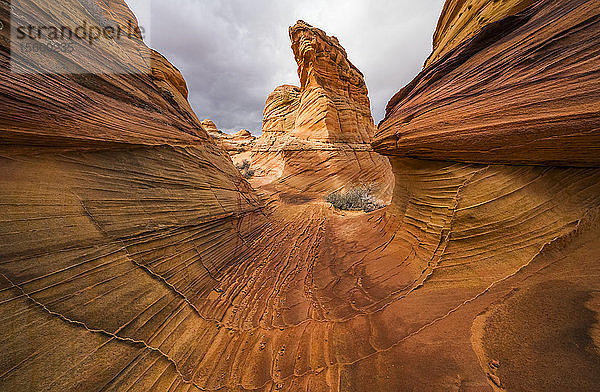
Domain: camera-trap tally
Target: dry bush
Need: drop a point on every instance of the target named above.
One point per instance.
(356, 199)
(244, 168)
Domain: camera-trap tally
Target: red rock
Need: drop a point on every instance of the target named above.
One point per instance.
(463, 19)
(279, 115)
(519, 92)
(118, 214)
(210, 127)
(525, 90)
(315, 138)
(334, 104)
(243, 134)
(238, 145)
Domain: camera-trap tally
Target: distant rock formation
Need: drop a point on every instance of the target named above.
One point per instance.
(210, 127)
(279, 115)
(238, 145)
(316, 137)
(334, 104)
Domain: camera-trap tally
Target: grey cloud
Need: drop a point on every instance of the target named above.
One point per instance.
(233, 53)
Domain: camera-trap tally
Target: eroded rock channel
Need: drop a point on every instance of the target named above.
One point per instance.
(135, 257)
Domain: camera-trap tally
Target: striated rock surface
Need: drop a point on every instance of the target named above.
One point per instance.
(510, 291)
(463, 19)
(133, 256)
(118, 216)
(85, 106)
(526, 90)
(210, 127)
(238, 145)
(315, 138)
(334, 104)
(279, 115)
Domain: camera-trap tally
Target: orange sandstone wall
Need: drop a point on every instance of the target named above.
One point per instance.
(494, 148)
(119, 215)
(525, 90)
(463, 19)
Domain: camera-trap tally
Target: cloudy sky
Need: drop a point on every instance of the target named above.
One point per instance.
(233, 53)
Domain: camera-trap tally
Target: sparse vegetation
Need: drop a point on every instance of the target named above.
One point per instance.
(356, 199)
(244, 168)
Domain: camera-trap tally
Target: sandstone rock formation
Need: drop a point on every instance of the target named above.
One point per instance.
(119, 214)
(133, 256)
(334, 104)
(210, 127)
(525, 90)
(279, 116)
(241, 141)
(237, 145)
(463, 19)
(516, 256)
(315, 137)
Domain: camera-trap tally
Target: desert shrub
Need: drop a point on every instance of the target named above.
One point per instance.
(356, 199)
(244, 168)
(244, 165)
(247, 173)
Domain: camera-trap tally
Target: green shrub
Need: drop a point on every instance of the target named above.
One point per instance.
(355, 199)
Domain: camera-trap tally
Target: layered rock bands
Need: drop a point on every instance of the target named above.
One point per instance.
(316, 137)
(134, 257)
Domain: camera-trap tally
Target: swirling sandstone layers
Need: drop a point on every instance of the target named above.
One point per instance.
(151, 266)
(522, 91)
(316, 137)
(118, 216)
(525, 90)
(465, 18)
(279, 115)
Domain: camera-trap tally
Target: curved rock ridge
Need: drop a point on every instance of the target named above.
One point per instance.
(523, 91)
(334, 104)
(119, 215)
(463, 19)
(506, 95)
(210, 127)
(144, 102)
(165, 72)
(243, 134)
(241, 141)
